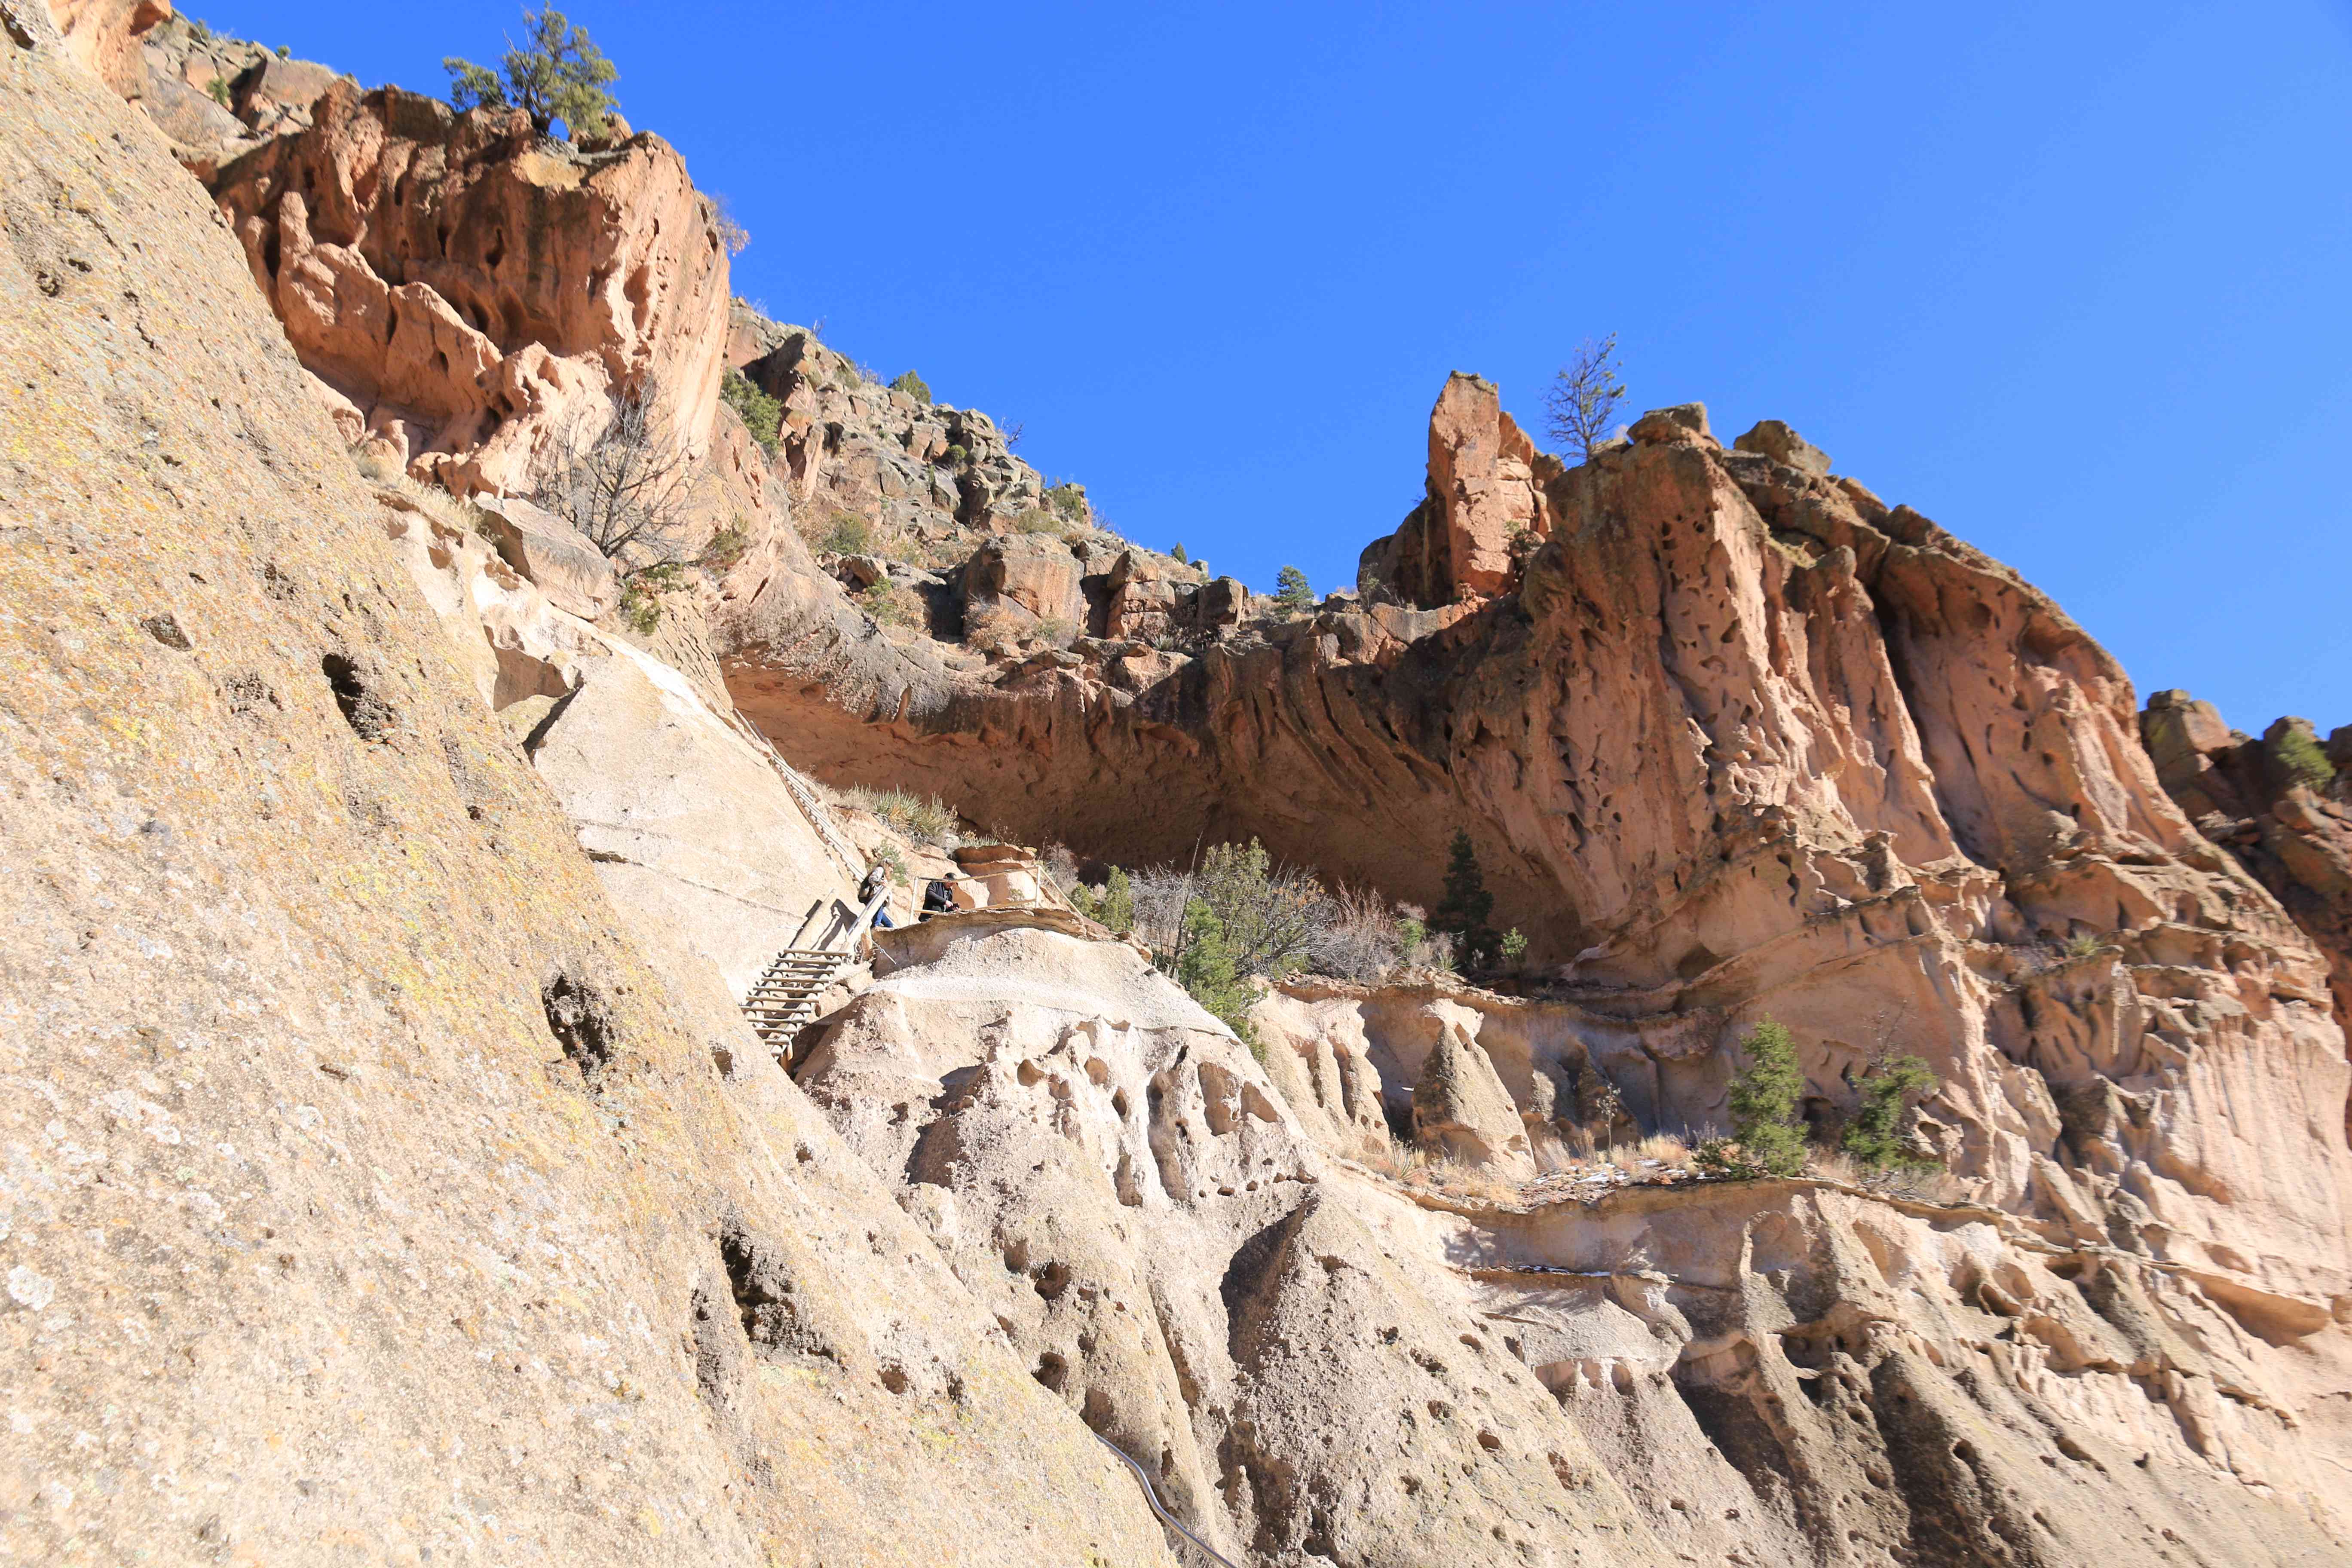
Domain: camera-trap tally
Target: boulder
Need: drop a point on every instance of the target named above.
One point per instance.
(1775, 440)
(1037, 572)
(276, 95)
(190, 118)
(1460, 1108)
(1683, 424)
(573, 573)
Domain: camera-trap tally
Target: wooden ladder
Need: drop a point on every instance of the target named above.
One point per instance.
(784, 998)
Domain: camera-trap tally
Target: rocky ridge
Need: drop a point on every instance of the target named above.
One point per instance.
(1724, 726)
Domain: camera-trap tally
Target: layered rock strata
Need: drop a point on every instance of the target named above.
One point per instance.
(368, 1197)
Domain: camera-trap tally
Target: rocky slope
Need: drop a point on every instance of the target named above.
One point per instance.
(1733, 737)
(2282, 805)
(368, 1197)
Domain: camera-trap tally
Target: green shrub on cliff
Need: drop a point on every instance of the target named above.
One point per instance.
(1889, 1087)
(1765, 1123)
(556, 73)
(762, 415)
(2299, 759)
(1205, 968)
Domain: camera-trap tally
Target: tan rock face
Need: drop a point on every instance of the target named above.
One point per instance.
(1746, 743)
(472, 293)
(1124, 1189)
(356, 1154)
(105, 37)
(1484, 511)
(2278, 805)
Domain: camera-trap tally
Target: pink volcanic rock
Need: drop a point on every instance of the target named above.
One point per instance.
(477, 288)
(1486, 504)
(104, 37)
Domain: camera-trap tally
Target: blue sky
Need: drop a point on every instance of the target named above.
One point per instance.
(2069, 280)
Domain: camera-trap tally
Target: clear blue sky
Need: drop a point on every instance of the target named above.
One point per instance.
(2071, 280)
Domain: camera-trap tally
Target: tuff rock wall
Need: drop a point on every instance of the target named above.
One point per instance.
(1733, 738)
(368, 1197)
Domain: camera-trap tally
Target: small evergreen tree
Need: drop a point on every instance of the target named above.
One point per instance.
(1292, 591)
(1177, 555)
(1515, 947)
(1764, 1101)
(1205, 969)
(912, 385)
(556, 73)
(1467, 903)
(1890, 1087)
(1114, 905)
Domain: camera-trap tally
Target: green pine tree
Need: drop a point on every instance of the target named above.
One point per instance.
(1114, 905)
(556, 73)
(1889, 1089)
(1467, 903)
(1205, 968)
(1292, 591)
(1765, 1095)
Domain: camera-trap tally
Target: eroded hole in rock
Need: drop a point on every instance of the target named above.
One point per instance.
(894, 1378)
(1052, 1280)
(1097, 1410)
(770, 1304)
(717, 1347)
(165, 629)
(581, 1018)
(248, 693)
(364, 709)
(1052, 1371)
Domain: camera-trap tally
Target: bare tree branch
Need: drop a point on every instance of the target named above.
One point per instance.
(1583, 396)
(626, 487)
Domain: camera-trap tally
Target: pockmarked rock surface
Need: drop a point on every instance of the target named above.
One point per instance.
(467, 292)
(1108, 1169)
(391, 1173)
(2281, 805)
(1741, 739)
(368, 1196)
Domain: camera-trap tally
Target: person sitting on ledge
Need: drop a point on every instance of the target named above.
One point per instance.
(936, 898)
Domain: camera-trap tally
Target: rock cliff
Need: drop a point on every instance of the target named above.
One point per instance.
(1736, 739)
(369, 1198)
(2278, 804)
(391, 1172)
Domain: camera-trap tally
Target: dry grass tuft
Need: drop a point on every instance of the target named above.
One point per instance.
(929, 820)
